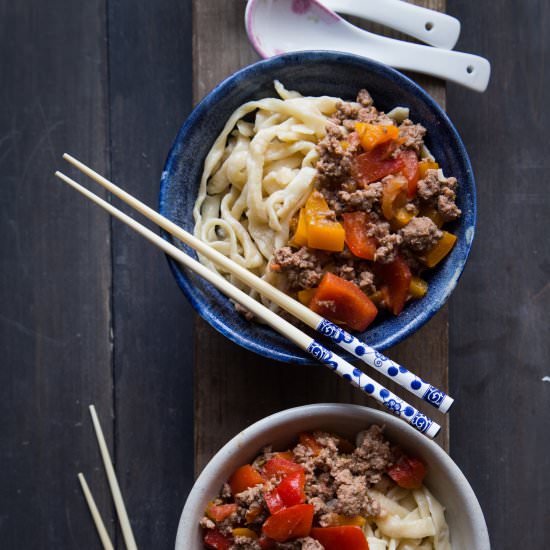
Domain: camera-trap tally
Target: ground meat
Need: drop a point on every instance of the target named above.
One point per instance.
(306, 543)
(364, 98)
(245, 543)
(362, 199)
(412, 134)
(207, 523)
(358, 273)
(387, 242)
(420, 234)
(440, 192)
(303, 268)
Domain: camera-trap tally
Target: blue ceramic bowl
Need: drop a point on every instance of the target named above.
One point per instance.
(314, 73)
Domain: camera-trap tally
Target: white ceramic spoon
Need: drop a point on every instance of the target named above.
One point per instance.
(430, 26)
(280, 26)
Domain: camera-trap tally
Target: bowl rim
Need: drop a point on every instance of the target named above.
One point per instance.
(188, 288)
(249, 434)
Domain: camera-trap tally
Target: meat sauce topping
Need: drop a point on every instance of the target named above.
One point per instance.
(315, 496)
(375, 220)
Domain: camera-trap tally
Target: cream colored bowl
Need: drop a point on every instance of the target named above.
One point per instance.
(444, 479)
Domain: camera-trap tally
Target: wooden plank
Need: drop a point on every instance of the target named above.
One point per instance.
(150, 96)
(55, 274)
(233, 387)
(499, 317)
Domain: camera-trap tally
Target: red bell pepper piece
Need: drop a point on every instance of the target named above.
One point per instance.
(243, 478)
(357, 239)
(215, 540)
(344, 302)
(274, 501)
(279, 466)
(397, 276)
(408, 472)
(376, 164)
(291, 489)
(345, 537)
(290, 523)
(218, 512)
(409, 169)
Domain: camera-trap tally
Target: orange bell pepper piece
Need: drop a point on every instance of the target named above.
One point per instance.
(360, 244)
(243, 478)
(343, 301)
(323, 232)
(372, 135)
(440, 250)
(218, 512)
(394, 195)
(290, 523)
(307, 440)
(305, 296)
(244, 532)
(376, 164)
(433, 214)
(300, 235)
(337, 520)
(424, 166)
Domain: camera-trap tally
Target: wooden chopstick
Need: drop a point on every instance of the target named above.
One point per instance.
(120, 508)
(355, 376)
(96, 516)
(350, 343)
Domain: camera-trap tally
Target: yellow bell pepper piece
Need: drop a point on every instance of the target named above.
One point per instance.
(424, 166)
(433, 214)
(440, 250)
(418, 287)
(402, 217)
(322, 231)
(337, 520)
(244, 532)
(305, 296)
(371, 135)
(300, 235)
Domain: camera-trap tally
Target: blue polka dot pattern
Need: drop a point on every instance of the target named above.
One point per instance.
(369, 388)
(416, 384)
(403, 370)
(360, 350)
(384, 393)
(392, 371)
(409, 411)
(346, 377)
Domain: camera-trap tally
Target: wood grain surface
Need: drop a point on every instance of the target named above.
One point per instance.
(90, 313)
(234, 387)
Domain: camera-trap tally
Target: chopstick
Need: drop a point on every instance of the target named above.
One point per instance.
(354, 375)
(96, 516)
(400, 375)
(124, 522)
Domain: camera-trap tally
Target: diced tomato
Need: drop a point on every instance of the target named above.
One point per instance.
(397, 276)
(243, 478)
(218, 512)
(215, 540)
(409, 169)
(346, 537)
(291, 489)
(290, 523)
(357, 239)
(307, 440)
(408, 472)
(274, 501)
(343, 301)
(279, 466)
(376, 164)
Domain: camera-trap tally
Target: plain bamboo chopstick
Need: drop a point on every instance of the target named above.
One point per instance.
(96, 516)
(125, 526)
(350, 343)
(355, 376)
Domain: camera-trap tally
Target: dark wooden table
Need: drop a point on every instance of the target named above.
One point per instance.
(89, 312)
